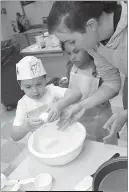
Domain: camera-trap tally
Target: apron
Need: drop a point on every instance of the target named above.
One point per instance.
(95, 118)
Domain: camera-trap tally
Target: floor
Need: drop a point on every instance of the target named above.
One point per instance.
(12, 153)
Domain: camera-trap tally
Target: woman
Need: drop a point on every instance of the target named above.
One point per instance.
(101, 29)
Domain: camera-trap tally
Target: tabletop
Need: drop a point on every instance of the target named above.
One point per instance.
(67, 176)
(34, 49)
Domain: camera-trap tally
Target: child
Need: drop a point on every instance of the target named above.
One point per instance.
(83, 76)
(31, 77)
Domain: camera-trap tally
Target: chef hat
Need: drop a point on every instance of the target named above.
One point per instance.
(29, 68)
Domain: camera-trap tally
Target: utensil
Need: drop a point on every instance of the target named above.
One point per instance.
(42, 182)
(6, 182)
(86, 183)
(114, 156)
(40, 41)
(16, 187)
(111, 176)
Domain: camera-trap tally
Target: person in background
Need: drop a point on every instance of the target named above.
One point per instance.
(20, 26)
(38, 97)
(22, 22)
(100, 27)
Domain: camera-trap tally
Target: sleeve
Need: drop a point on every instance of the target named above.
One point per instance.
(58, 92)
(120, 60)
(20, 114)
(110, 77)
(118, 57)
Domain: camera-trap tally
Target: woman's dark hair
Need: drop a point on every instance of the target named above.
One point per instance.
(62, 44)
(77, 13)
(18, 14)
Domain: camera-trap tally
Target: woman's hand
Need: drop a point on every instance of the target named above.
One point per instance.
(71, 115)
(53, 112)
(115, 124)
(34, 123)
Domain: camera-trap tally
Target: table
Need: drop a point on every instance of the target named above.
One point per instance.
(67, 176)
(35, 50)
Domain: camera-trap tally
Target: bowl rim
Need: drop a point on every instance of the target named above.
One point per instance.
(37, 154)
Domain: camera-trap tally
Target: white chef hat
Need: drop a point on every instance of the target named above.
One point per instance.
(29, 68)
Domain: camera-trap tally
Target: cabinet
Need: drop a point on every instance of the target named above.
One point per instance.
(28, 37)
(22, 39)
(55, 65)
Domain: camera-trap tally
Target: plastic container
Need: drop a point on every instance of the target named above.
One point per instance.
(43, 182)
(63, 157)
(40, 41)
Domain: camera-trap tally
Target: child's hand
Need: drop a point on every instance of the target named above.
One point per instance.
(34, 123)
(53, 112)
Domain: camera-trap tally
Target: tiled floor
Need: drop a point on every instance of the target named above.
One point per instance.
(12, 153)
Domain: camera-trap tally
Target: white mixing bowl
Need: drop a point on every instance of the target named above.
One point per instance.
(62, 157)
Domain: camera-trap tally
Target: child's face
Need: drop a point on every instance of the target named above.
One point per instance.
(77, 57)
(34, 88)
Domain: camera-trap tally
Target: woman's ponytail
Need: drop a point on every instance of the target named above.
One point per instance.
(109, 6)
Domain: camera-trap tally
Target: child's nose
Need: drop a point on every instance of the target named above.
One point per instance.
(35, 90)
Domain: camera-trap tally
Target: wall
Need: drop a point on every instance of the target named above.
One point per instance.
(12, 7)
(35, 11)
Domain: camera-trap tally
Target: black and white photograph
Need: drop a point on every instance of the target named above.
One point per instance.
(64, 95)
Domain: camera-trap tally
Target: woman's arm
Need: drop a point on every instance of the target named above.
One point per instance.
(111, 82)
(103, 94)
(71, 96)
